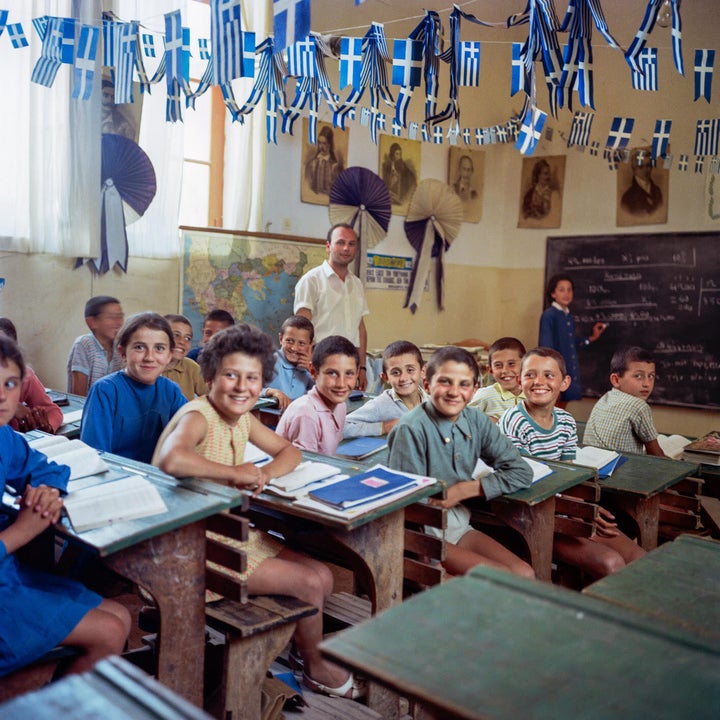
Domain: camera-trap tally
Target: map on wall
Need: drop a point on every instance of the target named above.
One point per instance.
(251, 277)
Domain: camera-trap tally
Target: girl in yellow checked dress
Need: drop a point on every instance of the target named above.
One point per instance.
(207, 437)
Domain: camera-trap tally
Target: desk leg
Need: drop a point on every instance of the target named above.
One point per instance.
(645, 511)
(381, 545)
(172, 568)
(536, 524)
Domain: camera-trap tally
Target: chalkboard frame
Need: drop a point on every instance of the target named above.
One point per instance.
(676, 275)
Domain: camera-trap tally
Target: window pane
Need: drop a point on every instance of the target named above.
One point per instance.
(195, 193)
(197, 129)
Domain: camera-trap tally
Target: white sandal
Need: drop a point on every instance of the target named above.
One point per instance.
(351, 684)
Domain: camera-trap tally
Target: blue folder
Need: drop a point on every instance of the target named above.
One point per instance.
(363, 488)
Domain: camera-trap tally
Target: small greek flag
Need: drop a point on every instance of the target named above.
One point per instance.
(291, 22)
(109, 27)
(396, 128)
(501, 134)
(302, 61)
(226, 40)
(248, 42)
(125, 47)
(620, 132)
(683, 163)
(147, 41)
(425, 133)
(706, 137)
(715, 165)
(85, 61)
(519, 79)
(580, 128)
(646, 78)
(350, 62)
(381, 120)
(530, 131)
(699, 163)
(479, 136)
(407, 63)
(704, 63)
(469, 64)
(594, 147)
(365, 116)
(661, 138)
(17, 35)
(203, 48)
(58, 47)
(40, 24)
(174, 61)
(467, 138)
(438, 135)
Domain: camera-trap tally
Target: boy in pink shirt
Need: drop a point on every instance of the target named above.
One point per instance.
(315, 421)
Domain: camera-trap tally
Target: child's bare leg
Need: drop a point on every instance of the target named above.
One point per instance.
(628, 549)
(292, 573)
(596, 558)
(102, 632)
(477, 548)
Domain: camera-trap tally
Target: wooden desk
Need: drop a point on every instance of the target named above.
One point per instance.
(166, 555)
(375, 537)
(678, 583)
(635, 488)
(113, 690)
(491, 645)
(71, 427)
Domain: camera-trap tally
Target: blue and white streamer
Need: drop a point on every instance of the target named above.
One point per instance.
(226, 40)
(646, 27)
(87, 47)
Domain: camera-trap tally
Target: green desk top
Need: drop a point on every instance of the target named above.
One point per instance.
(72, 429)
(563, 477)
(187, 500)
(647, 475)
(678, 582)
(491, 645)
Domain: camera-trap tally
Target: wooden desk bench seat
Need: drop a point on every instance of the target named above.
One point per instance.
(35, 675)
(680, 509)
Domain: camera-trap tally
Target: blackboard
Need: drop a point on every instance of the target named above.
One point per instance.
(658, 291)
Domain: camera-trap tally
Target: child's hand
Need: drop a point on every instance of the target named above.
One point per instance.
(250, 477)
(605, 524)
(388, 425)
(457, 493)
(44, 500)
(598, 329)
(282, 399)
(303, 360)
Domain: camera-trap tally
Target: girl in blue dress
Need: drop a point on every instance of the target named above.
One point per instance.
(38, 610)
(557, 331)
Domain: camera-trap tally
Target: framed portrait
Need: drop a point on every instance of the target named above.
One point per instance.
(322, 162)
(399, 169)
(466, 174)
(120, 119)
(642, 190)
(541, 190)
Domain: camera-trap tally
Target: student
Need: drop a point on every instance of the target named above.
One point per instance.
(403, 368)
(93, 356)
(621, 419)
(538, 428)
(315, 421)
(39, 610)
(442, 438)
(182, 370)
(207, 438)
(504, 359)
(35, 410)
(557, 331)
(292, 378)
(126, 411)
(215, 321)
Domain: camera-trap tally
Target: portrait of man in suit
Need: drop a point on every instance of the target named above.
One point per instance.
(322, 162)
(642, 190)
(466, 170)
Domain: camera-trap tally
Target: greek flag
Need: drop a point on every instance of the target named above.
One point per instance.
(365, 116)
(226, 40)
(501, 134)
(148, 44)
(706, 137)
(17, 35)
(125, 42)
(396, 128)
(58, 47)
(438, 135)
(530, 131)
(580, 128)
(704, 63)
(620, 132)
(715, 165)
(407, 63)
(40, 24)
(109, 27)
(85, 61)
(520, 80)
(699, 163)
(469, 64)
(203, 48)
(174, 62)
(646, 26)
(350, 62)
(661, 138)
(301, 58)
(646, 78)
(291, 22)
(594, 147)
(424, 132)
(466, 136)
(683, 163)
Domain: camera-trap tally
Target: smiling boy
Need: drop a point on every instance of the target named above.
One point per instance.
(504, 357)
(181, 369)
(315, 421)
(621, 419)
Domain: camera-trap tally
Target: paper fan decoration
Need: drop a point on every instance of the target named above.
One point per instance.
(128, 187)
(433, 222)
(360, 198)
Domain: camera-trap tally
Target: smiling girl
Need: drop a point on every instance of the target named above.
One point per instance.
(126, 411)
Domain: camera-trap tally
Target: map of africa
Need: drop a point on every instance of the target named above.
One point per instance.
(252, 278)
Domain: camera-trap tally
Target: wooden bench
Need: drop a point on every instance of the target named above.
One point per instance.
(680, 509)
(35, 675)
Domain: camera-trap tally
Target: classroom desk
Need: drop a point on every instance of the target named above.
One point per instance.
(635, 487)
(113, 690)
(71, 423)
(375, 537)
(165, 554)
(678, 583)
(492, 645)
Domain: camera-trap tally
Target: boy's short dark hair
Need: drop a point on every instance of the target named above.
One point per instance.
(220, 316)
(401, 347)
(10, 352)
(95, 305)
(625, 355)
(506, 343)
(451, 353)
(147, 319)
(300, 322)
(553, 283)
(547, 352)
(333, 345)
(7, 326)
(171, 318)
(240, 338)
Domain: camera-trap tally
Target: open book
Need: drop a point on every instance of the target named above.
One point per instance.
(603, 460)
(306, 473)
(79, 457)
(540, 469)
(125, 499)
(673, 445)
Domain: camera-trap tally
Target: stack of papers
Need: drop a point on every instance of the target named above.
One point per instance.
(540, 469)
(297, 483)
(705, 449)
(79, 457)
(604, 461)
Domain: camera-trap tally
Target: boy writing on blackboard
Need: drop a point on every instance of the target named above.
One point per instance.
(621, 419)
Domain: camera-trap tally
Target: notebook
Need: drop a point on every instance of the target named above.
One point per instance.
(361, 447)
